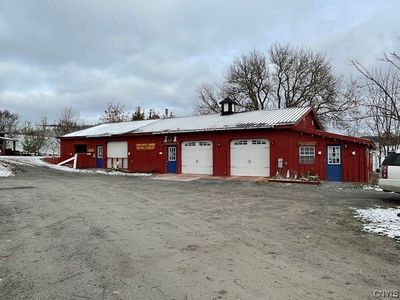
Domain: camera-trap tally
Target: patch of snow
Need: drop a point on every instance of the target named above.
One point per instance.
(282, 183)
(38, 161)
(372, 187)
(382, 221)
(5, 170)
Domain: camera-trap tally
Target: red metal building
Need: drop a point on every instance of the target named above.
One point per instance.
(259, 143)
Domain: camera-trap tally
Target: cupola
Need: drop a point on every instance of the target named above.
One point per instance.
(228, 106)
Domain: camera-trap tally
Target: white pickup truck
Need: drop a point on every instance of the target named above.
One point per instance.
(390, 173)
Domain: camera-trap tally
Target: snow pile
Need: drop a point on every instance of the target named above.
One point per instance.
(114, 173)
(5, 170)
(35, 161)
(372, 187)
(383, 221)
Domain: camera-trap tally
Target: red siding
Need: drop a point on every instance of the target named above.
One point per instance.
(84, 160)
(284, 143)
(52, 160)
(308, 121)
(153, 161)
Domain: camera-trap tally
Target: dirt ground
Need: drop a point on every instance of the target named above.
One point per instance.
(74, 236)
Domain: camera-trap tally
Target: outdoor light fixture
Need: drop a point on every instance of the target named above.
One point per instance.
(166, 139)
(175, 139)
(319, 152)
(353, 153)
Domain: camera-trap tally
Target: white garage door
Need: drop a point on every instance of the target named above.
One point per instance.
(250, 157)
(197, 157)
(117, 155)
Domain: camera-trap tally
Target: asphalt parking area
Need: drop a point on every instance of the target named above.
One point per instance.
(77, 236)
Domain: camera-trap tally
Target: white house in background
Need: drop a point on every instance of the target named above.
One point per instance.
(51, 147)
(7, 143)
(379, 154)
(15, 144)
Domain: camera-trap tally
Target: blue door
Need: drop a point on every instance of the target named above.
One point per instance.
(334, 163)
(99, 156)
(171, 164)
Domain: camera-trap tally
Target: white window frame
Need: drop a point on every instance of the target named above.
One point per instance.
(307, 154)
(99, 152)
(204, 144)
(240, 142)
(258, 142)
(190, 144)
(171, 153)
(338, 159)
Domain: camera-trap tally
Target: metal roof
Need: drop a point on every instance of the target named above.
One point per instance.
(110, 129)
(244, 120)
(7, 139)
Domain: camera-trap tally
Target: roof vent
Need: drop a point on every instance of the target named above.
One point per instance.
(228, 106)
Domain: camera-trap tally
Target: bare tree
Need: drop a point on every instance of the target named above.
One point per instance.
(378, 114)
(68, 121)
(8, 121)
(392, 58)
(208, 98)
(248, 81)
(379, 81)
(302, 77)
(381, 102)
(114, 113)
(341, 109)
(35, 136)
(283, 77)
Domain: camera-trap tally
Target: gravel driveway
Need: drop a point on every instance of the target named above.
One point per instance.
(77, 236)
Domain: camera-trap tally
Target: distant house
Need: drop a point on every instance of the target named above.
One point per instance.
(14, 145)
(256, 143)
(381, 151)
(2, 143)
(7, 144)
(50, 147)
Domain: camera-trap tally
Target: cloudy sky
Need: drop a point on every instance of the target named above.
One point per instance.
(83, 53)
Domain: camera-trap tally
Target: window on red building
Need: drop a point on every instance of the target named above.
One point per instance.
(307, 155)
(80, 148)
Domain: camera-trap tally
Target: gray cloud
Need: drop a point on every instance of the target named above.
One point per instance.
(82, 54)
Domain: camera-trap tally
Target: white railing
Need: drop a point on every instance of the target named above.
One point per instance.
(73, 158)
